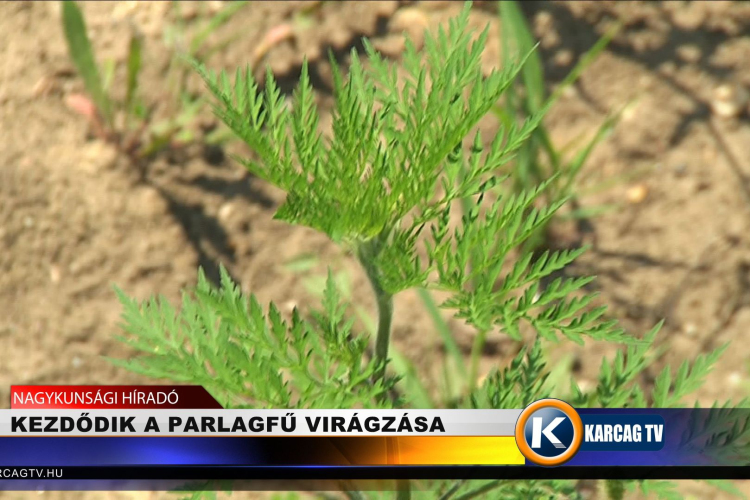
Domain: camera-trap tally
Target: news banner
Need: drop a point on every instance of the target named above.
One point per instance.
(157, 437)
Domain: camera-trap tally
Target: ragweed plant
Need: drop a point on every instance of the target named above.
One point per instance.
(402, 155)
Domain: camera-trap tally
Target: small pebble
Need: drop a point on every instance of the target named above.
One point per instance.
(225, 212)
(667, 68)
(55, 274)
(122, 10)
(45, 86)
(636, 194)
(689, 53)
(215, 6)
(645, 81)
(97, 156)
(729, 100)
(544, 21)
(412, 21)
(690, 329)
(563, 57)
(570, 92)
(630, 112)
(339, 37)
(734, 379)
(390, 45)
(148, 202)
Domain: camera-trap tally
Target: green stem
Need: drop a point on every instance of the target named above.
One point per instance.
(615, 489)
(477, 348)
(404, 489)
(481, 490)
(366, 253)
(452, 490)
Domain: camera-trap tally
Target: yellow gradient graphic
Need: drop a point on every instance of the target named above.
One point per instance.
(459, 450)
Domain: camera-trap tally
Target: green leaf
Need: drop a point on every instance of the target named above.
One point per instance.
(670, 390)
(135, 50)
(388, 146)
(79, 47)
(222, 339)
(514, 23)
(444, 331)
(215, 23)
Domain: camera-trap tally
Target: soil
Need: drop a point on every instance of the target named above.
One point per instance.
(77, 217)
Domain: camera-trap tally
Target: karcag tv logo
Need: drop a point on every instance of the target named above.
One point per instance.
(549, 432)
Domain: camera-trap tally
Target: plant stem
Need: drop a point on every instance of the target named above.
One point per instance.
(477, 348)
(615, 489)
(366, 253)
(481, 490)
(452, 490)
(404, 490)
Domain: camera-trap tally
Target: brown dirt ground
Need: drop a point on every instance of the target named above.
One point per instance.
(75, 218)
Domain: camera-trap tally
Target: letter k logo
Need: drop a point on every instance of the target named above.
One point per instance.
(561, 427)
(536, 436)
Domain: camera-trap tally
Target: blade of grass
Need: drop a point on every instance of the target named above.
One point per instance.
(513, 22)
(518, 39)
(557, 384)
(634, 174)
(585, 61)
(481, 490)
(573, 168)
(301, 263)
(108, 75)
(418, 395)
(451, 347)
(83, 58)
(506, 52)
(216, 22)
(591, 212)
(220, 46)
(477, 348)
(135, 52)
(516, 33)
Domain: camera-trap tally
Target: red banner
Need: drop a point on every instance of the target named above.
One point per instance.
(103, 397)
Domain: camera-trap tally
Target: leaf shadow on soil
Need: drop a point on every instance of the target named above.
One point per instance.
(201, 228)
(287, 81)
(578, 35)
(241, 188)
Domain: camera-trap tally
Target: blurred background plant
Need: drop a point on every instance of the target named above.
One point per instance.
(127, 121)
